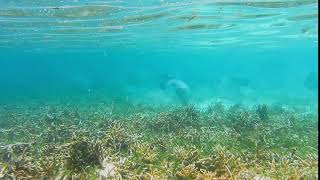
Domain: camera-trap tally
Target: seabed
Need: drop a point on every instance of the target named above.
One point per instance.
(134, 141)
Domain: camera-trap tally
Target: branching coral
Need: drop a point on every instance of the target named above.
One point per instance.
(84, 153)
(262, 111)
(136, 142)
(18, 161)
(176, 120)
(145, 152)
(116, 137)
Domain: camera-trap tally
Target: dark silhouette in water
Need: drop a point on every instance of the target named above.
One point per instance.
(311, 81)
(180, 88)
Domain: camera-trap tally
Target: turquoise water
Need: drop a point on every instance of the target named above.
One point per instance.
(64, 48)
(59, 49)
(159, 89)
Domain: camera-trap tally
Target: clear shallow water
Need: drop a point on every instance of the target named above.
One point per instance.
(87, 88)
(104, 49)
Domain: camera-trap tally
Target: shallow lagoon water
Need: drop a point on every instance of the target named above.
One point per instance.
(80, 89)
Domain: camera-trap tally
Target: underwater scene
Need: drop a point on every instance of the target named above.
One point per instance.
(159, 89)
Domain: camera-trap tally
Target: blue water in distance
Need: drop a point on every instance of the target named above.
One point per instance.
(247, 52)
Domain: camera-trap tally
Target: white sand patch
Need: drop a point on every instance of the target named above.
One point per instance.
(109, 170)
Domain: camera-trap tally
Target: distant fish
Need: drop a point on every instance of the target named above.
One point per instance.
(311, 81)
(181, 89)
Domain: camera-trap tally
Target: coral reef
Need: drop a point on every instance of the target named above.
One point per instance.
(127, 141)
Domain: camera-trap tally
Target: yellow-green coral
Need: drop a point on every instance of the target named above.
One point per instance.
(135, 142)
